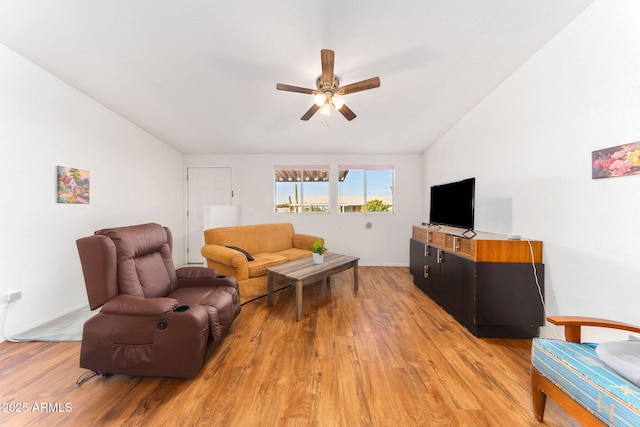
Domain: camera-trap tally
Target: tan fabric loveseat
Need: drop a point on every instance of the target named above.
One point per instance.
(267, 244)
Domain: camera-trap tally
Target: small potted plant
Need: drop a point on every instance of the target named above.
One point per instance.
(318, 250)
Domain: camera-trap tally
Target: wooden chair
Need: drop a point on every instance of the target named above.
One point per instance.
(585, 411)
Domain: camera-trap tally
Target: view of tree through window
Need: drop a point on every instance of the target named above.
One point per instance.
(366, 189)
(302, 189)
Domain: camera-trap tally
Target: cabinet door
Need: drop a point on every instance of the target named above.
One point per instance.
(432, 274)
(508, 295)
(457, 283)
(417, 252)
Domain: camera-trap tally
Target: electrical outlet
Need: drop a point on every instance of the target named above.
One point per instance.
(12, 297)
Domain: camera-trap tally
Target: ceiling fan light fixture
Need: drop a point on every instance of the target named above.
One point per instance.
(337, 101)
(325, 110)
(320, 99)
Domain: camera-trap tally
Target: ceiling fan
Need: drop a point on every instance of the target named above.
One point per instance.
(328, 90)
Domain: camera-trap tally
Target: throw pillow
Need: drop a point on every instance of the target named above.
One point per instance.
(623, 357)
(247, 254)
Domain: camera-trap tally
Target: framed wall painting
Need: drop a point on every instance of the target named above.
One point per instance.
(73, 185)
(621, 160)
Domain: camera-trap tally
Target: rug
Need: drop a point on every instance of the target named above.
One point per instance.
(64, 328)
(69, 327)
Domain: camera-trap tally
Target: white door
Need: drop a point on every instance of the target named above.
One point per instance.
(205, 187)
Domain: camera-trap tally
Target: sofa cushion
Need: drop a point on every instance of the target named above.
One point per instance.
(258, 267)
(255, 239)
(145, 265)
(152, 275)
(294, 254)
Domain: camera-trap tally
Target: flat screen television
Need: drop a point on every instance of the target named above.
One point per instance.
(452, 204)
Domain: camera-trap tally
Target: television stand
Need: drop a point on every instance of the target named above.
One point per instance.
(485, 282)
(469, 233)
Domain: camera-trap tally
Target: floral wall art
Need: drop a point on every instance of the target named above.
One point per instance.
(73, 185)
(621, 160)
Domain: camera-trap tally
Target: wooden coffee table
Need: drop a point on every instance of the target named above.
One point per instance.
(303, 271)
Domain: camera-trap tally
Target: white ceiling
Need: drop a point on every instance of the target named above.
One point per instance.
(201, 75)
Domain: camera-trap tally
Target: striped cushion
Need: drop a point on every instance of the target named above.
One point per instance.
(577, 371)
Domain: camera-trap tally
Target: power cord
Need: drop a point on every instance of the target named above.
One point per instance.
(87, 376)
(535, 276)
(3, 321)
(262, 296)
(3, 318)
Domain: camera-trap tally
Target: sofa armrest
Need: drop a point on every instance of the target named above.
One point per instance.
(305, 241)
(572, 325)
(223, 255)
(137, 306)
(227, 261)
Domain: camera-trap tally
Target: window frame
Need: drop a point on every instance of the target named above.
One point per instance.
(302, 174)
(366, 198)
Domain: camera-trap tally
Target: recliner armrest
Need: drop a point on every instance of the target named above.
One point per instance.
(197, 273)
(194, 277)
(137, 306)
(219, 281)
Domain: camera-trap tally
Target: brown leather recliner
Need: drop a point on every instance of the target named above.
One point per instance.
(155, 320)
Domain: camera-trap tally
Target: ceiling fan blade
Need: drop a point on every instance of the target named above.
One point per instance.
(347, 113)
(298, 89)
(310, 112)
(360, 86)
(327, 57)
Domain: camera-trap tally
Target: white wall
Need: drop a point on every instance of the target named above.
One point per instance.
(529, 146)
(135, 178)
(386, 243)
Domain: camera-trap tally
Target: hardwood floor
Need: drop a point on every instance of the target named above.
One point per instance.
(387, 356)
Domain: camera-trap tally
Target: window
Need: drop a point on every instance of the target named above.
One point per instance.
(302, 189)
(366, 189)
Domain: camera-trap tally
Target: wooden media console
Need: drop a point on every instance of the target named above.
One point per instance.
(486, 282)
